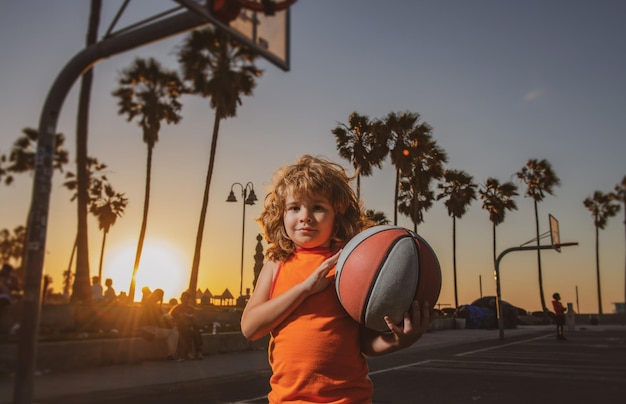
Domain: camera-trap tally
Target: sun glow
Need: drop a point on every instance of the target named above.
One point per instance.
(161, 266)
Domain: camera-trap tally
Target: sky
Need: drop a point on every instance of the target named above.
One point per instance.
(499, 82)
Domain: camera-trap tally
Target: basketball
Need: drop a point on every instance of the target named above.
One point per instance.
(381, 271)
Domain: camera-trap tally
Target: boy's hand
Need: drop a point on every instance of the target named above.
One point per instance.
(415, 324)
(318, 281)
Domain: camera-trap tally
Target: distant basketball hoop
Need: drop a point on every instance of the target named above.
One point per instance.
(554, 233)
(555, 245)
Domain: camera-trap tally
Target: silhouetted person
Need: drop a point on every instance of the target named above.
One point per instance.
(559, 316)
(189, 337)
(123, 297)
(155, 325)
(145, 293)
(96, 289)
(109, 294)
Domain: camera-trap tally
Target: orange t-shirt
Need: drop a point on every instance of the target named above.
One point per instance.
(559, 310)
(315, 353)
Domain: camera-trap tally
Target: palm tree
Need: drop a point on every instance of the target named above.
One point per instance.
(107, 209)
(620, 196)
(602, 206)
(539, 179)
(3, 170)
(222, 69)
(21, 159)
(376, 217)
(12, 245)
(426, 159)
(22, 156)
(149, 93)
(96, 180)
(358, 142)
(104, 203)
(81, 292)
(497, 199)
(395, 133)
(460, 190)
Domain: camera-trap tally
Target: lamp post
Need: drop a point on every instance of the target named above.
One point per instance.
(248, 199)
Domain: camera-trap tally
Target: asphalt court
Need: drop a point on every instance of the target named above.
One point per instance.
(590, 365)
(446, 366)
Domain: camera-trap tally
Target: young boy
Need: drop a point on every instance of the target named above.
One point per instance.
(316, 349)
(559, 316)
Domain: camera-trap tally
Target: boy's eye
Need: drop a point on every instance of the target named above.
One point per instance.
(318, 208)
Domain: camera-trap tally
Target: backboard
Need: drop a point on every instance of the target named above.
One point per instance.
(554, 233)
(267, 33)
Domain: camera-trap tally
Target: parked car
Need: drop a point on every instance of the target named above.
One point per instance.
(509, 312)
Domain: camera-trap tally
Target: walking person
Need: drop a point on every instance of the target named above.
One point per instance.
(559, 316)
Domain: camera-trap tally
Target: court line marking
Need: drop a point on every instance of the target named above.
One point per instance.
(400, 367)
(423, 362)
(501, 346)
(250, 400)
(459, 354)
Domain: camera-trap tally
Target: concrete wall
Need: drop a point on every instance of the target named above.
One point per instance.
(64, 355)
(74, 354)
(69, 318)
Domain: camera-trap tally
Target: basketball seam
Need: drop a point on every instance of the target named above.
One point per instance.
(372, 284)
(419, 263)
(338, 282)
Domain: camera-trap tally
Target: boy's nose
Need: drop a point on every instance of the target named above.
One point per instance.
(305, 215)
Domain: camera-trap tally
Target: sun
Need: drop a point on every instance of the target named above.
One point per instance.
(161, 266)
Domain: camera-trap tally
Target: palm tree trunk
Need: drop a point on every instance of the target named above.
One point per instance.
(81, 291)
(493, 232)
(104, 239)
(456, 296)
(67, 275)
(395, 198)
(598, 267)
(193, 280)
(144, 224)
(541, 295)
(497, 277)
(69, 266)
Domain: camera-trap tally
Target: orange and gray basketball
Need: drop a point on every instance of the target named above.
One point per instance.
(382, 270)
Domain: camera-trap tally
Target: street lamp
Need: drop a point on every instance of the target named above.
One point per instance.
(248, 199)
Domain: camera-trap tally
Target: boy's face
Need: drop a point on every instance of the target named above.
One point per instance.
(309, 220)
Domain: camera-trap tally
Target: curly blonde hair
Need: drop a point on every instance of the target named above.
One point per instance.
(310, 176)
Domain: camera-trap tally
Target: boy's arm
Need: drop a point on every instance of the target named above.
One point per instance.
(374, 343)
(263, 314)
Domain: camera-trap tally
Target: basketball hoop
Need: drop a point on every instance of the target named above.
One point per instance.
(268, 7)
(227, 10)
(555, 238)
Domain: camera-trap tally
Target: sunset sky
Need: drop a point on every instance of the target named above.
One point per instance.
(500, 83)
